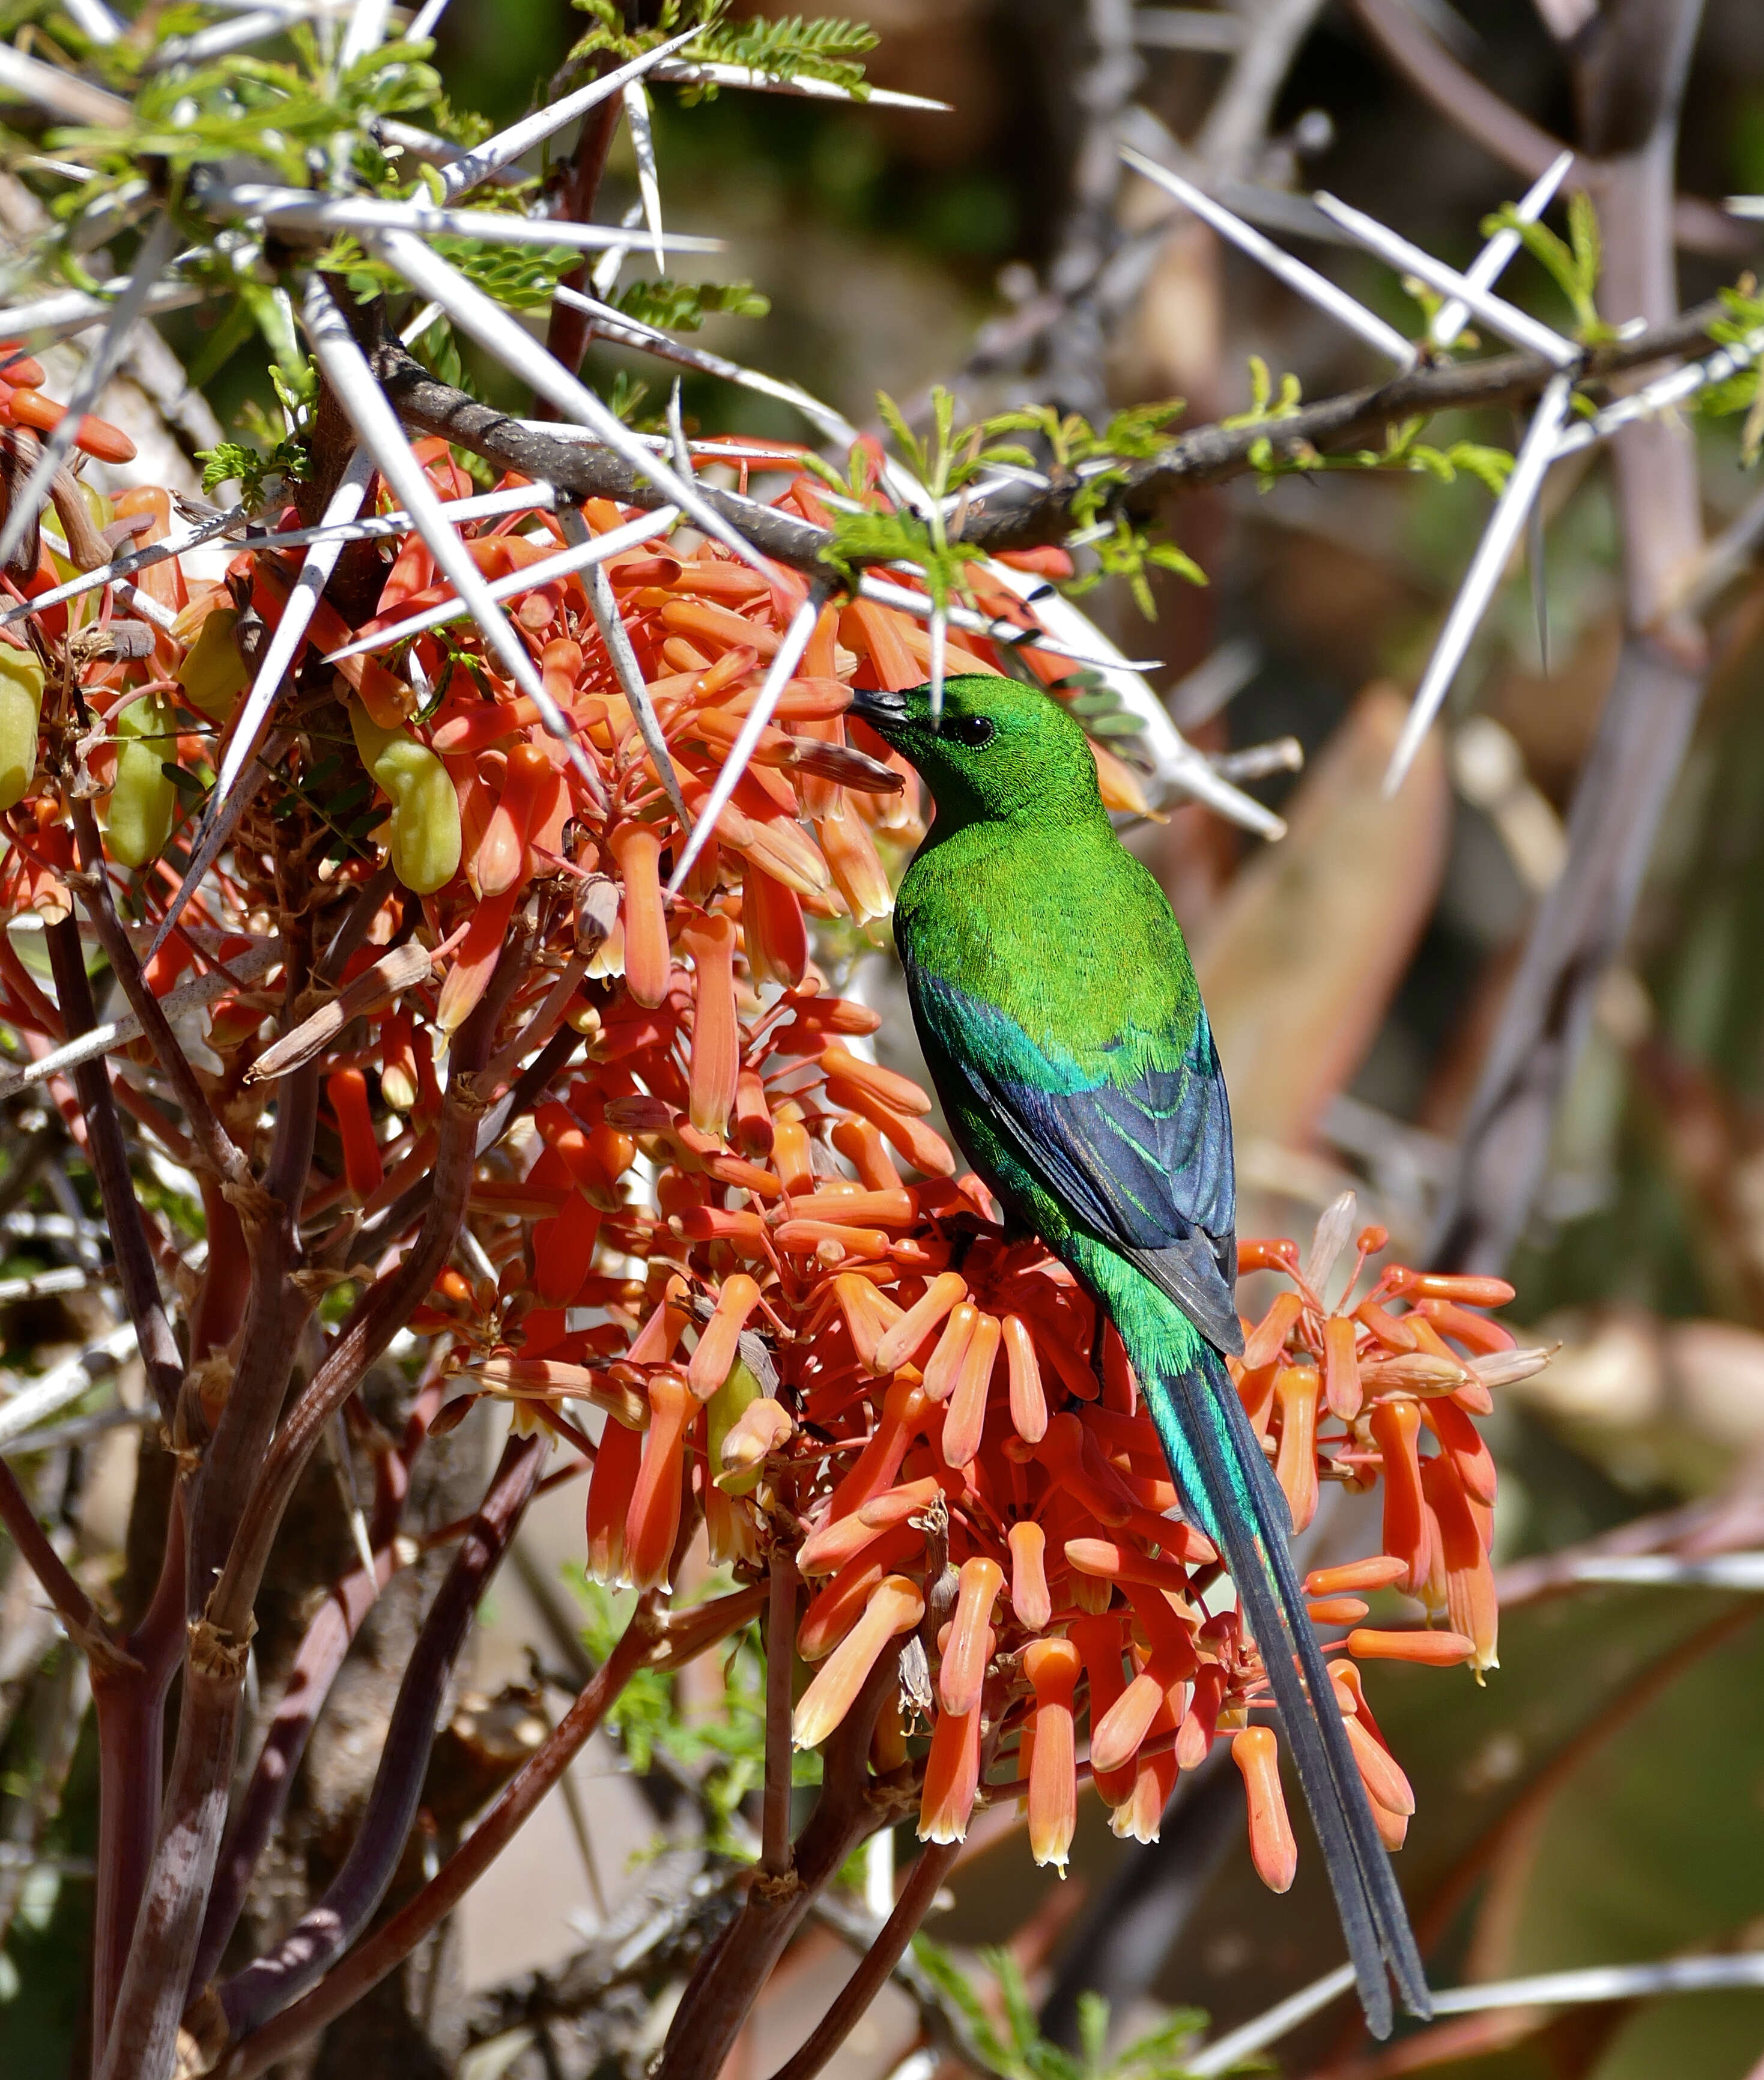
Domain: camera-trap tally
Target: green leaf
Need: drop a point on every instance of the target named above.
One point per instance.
(684, 306)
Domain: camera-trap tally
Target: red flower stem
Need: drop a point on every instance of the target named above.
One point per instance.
(732, 1973)
(109, 1159)
(271, 1982)
(933, 1866)
(780, 1647)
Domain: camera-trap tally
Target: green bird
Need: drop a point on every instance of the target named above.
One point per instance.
(1064, 1030)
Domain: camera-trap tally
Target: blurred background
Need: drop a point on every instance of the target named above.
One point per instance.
(1603, 1798)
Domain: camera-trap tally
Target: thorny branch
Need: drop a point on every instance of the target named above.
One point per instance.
(1020, 517)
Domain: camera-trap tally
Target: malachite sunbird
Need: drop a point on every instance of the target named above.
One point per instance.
(1064, 1031)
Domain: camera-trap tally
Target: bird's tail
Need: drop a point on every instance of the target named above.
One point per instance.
(1230, 1490)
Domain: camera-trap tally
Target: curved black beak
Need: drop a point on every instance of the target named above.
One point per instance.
(872, 705)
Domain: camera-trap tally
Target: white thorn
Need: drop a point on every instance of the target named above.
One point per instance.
(508, 145)
(345, 367)
(63, 94)
(300, 206)
(940, 641)
(488, 323)
(643, 142)
(600, 549)
(790, 647)
(95, 19)
(54, 317)
(682, 73)
(1486, 270)
(424, 23)
(1536, 452)
(366, 31)
(629, 331)
(1495, 312)
(617, 638)
(1316, 288)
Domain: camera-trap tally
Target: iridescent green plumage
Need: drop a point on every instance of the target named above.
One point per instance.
(1064, 1030)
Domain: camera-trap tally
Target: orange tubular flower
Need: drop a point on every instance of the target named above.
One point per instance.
(1272, 1849)
(716, 1041)
(963, 1673)
(895, 1606)
(952, 1773)
(653, 1520)
(1052, 1667)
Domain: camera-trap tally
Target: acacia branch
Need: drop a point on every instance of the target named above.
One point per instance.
(1027, 516)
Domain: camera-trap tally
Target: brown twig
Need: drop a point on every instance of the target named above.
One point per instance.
(72, 1604)
(877, 1964)
(108, 1155)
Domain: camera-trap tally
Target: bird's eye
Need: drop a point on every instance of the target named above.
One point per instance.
(976, 732)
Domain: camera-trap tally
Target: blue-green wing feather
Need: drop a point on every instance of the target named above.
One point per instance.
(1135, 1147)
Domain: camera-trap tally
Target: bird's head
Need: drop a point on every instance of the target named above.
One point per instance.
(1001, 751)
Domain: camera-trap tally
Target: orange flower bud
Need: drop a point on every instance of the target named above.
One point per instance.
(764, 1426)
(753, 1130)
(564, 1249)
(1384, 1780)
(1030, 1601)
(924, 1149)
(1029, 1403)
(1341, 1368)
(1381, 1571)
(652, 1521)
(1052, 1667)
(790, 1158)
(1338, 1610)
(1259, 1253)
(1432, 1650)
(1475, 1332)
(893, 1349)
(855, 865)
(1296, 1390)
(895, 1505)
(894, 1606)
(1115, 1739)
(835, 1611)
(610, 1491)
(965, 1420)
(1463, 1443)
(772, 928)
(1396, 1425)
(637, 849)
(1471, 1606)
(1467, 1290)
(899, 1094)
(502, 860)
(952, 1775)
(1098, 1638)
(347, 1091)
(716, 1035)
(905, 1412)
(963, 1674)
(1267, 1339)
(475, 962)
(1194, 1740)
(718, 1340)
(1272, 1849)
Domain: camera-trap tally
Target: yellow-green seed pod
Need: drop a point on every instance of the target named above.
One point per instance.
(426, 840)
(143, 803)
(213, 674)
(21, 706)
(723, 1411)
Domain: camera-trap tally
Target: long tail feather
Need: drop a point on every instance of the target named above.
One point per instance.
(1230, 1490)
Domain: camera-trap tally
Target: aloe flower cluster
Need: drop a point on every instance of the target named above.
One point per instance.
(710, 1215)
